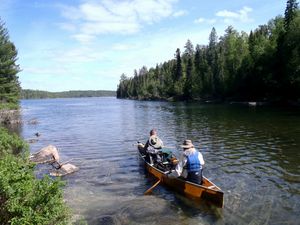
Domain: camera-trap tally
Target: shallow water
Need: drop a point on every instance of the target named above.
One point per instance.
(251, 153)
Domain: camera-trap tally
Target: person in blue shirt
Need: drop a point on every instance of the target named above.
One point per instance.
(190, 164)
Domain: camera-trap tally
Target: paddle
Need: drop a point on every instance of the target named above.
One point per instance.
(150, 189)
(164, 147)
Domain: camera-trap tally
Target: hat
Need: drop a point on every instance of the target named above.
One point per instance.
(155, 142)
(187, 144)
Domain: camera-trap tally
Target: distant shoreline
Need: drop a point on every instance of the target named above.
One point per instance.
(38, 94)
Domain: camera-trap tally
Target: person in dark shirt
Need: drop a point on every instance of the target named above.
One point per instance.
(153, 147)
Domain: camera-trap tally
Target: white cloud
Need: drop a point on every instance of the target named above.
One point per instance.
(199, 20)
(114, 17)
(152, 10)
(228, 17)
(70, 12)
(203, 20)
(77, 55)
(180, 13)
(241, 15)
(96, 28)
(227, 14)
(83, 38)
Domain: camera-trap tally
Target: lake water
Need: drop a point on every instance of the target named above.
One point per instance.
(253, 154)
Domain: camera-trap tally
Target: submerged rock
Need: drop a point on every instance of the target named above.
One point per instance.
(32, 122)
(64, 170)
(32, 140)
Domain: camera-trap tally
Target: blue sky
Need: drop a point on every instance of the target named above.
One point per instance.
(87, 44)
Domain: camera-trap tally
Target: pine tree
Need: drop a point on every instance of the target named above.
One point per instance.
(178, 67)
(189, 49)
(9, 84)
(189, 79)
(290, 12)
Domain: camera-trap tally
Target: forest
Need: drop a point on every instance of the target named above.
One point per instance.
(263, 65)
(37, 94)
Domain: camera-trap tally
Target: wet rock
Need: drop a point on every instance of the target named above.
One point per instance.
(64, 170)
(32, 122)
(32, 140)
(105, 220)
(10, 117)
(45, 155)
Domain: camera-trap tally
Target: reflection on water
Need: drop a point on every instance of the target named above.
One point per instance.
(251, 153)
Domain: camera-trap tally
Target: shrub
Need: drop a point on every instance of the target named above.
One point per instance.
(11, 143)
(23, 198)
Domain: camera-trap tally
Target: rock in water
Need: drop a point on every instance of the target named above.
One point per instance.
(64, 170)
(45, 155)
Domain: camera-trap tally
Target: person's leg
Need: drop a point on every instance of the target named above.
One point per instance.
(194, 177)
(200, 175)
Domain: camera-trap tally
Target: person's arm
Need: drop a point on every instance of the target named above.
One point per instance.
(180, 165)
(200, 157)
(162, 144)
(146, 146)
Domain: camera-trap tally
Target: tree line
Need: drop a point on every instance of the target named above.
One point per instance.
(37, 94)
(262, 65)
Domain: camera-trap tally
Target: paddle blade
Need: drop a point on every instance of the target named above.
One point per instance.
(151, 188)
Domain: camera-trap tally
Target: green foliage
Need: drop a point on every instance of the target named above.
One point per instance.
(290, 13)
(36, 94)
(11, 143)
(8, 106)
(291, 54)
(262, 65)
(9, 84)
(23, 198)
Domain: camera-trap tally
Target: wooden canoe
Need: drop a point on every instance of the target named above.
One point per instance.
(207, 191)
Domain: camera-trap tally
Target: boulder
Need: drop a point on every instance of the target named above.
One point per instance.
(45, 155)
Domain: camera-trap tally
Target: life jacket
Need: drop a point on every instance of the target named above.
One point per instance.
(193, 163)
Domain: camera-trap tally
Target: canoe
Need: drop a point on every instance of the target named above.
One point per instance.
(207, 191)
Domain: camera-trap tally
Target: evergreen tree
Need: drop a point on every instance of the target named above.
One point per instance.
(213, 39)
(189, 49)
(291, 59)
(189, 79)
(9, 84)
(290, 12)
(197, 87)
(212, 58)
(178, 67)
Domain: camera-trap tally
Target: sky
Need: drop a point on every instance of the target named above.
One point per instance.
(87, 44)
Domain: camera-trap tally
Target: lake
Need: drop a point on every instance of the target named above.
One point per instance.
(252, 153)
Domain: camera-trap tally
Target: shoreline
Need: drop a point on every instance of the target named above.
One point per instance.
(276, 103)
